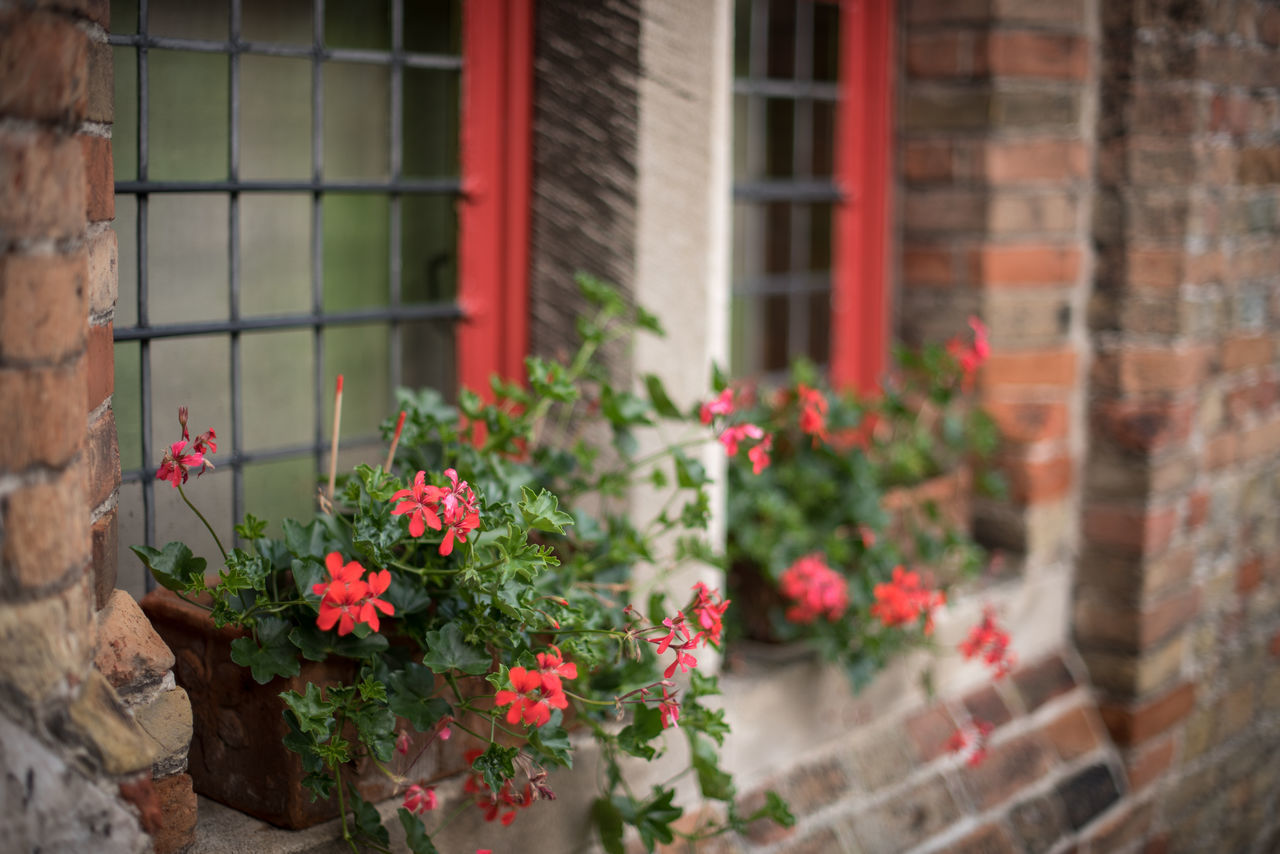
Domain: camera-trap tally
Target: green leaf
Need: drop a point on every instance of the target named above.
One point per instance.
(775, 809)
(715, 784)
(658, 397)
(635, 736)
(690, 473)
(412, 696)
(415, 835)
(368, 819)
(312, 713)
(376, 726)
(653, 818)
(650, 322)
(273, 654)
(307, 541)
(542, 511)
(447, 651)
(623, 409)
(496, 765)
(608, 820)
(554, 742)
(175, 567)
(251, 528)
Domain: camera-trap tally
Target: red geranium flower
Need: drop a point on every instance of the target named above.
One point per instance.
(991, 642)
(904, 598)
(458, 506)
(419, 799)
(669, 709)
(816, 589)
(813, 411)
(533, 697)
(722, 405)
(346, 599)
(709, 613)
(420, 501)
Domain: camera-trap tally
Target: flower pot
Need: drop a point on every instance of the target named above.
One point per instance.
(237, 756)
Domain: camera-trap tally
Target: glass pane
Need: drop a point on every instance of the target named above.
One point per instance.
(824, 138)
(127, 403)
(741, 139)
(745, 335)
(187, 247)
(782, 40)
(280, 489)
(124, 16)
(427, 356)
(275, 254)
(287, 21)
(275, 117)
(124, 133)
(774, 343)
(356, 242)
(777, 232)
(362, 354)
(428, 249)
(826, 41)
(277, 371)
(433, 26)
(779, 119)
(131, 574)
(430, 136)
(187, 117)
(358, 23)
(820, 236)
(208, 19)
(126, 226)
(742, 38)
(211, 492)
(192, 372)
(357, 101)
(820, 327)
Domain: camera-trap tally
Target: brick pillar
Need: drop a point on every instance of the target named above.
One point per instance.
(1179, 579)
(995, 158)
(63, 731)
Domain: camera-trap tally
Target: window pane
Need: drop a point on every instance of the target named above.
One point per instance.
(363, 355)
(280, 489)
(820, 327)
(774, 341)
(124, 133)
(188, 115)
(124, 16)
(287, 21)
(824, 138)
(356, 245)
(428, 249)
(208, 19)
(820, 236)
(275, 117)
(358, 23)
(433, 26)
(126, 403)
(131, 574)
(826, 41)
(175, 521)
(187, 245)
(742, 38)
(126, 226)
(278, 374)
(275, 254)
(357, 119)
(782, 39)
(430, 134)
(194, 372)
(779, 137)
(428, 356)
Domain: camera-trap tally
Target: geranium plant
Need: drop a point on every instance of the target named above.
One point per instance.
(481, 585)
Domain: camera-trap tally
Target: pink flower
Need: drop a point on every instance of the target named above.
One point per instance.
(175, 464)
(816, 589)
(346, 599)
(722, 405)
(402, 743)
(991, 642)
(813, 411)
(684, 661)
(759, 455)
(971, 742)
(420, 502)
(709, 613)
(675, 624)
(419, 799)
(971, 358)
(731, 436)
(458, 510)
(669, 709)
(904, 598)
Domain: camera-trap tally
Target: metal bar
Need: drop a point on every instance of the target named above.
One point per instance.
(776, 284)
(769, 87)
(783, 190)
(424, 311)
(801, 167)
(144, 349)
(441, 186)
(233, 267)
(432, 61)
(396, 158)
(317, 231)
(243, 458)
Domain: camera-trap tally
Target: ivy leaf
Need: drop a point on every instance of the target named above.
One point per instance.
(271, 655)
(608, 821)
(635, 736)
(623, 409)
(368, 819)
(775, 809)
(658, 397)
(447, 651)
(554, 742)
(306, 541)
(542, 511)
(354, 646)
(497, 765)
(312, 714)
(690, 473)
(649, 321)
(412, 696)
(715, 784)
(415, 835)
(653, 818)
(175, 567)
(251, 528)
(377, 728)
(407, 595)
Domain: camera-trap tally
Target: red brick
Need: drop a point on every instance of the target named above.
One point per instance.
(1049, 13)
(928, 266)
(811, 787)
(1148, 763)
(129, 652)
(104, 261)
(43, 185)
(948, 11)
(1144, 426)
(1027, 422)
(1039, 481)
(1221, 451)
(1072, 734)
(103, 453)
(1197, 509)
(98, 11)
(927, 160)
(1030, 368)
(44, 63)
(1247, 352)
(1146, 530)
(1134, 724)
(1012, 53)
(1041, 682)
(929, 732)
(106, 540)
(46, 532)
(1274, 646)
(945, 54)
(178, 806)
(42, 418)
(985, 705)
(1024, 265)
(101, 368)
(1155, 268)
(1007, 770)
(1118, 623)
(43, 307)
(1151, 369)
(988, 839)
(957, 210)
(101, 94)
(100, 193)
(1021, 161)
(1249, 575)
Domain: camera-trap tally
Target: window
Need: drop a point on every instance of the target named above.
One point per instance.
(294, 202)
(811, 95)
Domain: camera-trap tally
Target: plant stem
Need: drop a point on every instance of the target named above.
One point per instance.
(200, 515)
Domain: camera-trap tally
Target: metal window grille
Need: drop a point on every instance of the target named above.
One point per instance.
(396, 187)
(785, 94)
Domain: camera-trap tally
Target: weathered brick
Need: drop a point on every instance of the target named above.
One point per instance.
(1146, 764)
(1072, 734)
(1028, 421)
(1038, 822)
(1008, 769)
(1251, 351)
(882, 757)
(923, 265)
(1136, 674)
(44, 63)
(100, 193)
(177, 803)
(101, 95)
(1038, 481)
(1015, 53)
(819, 841)
(940, 54)
(129, 652)
(1039, 683)
(103, 456)
(946, 110)
(1145, 426)
(1138, 370)
(1258, 165)
(1048, 13)
(927, 160)
(1261, 441)
(988, 839)
(1087, 794)
(98, 11)
(906, 820)
(1042, 212)
(46, 645)
(1130, 530)
(1248, 574)
(1121, 830)
(985, 705)
(1030, 368)
(100, 722)
(103, 264)
(43, 306)
(929, 731)
(106, 541)
(1034, 160)
(809, 788)
(929, 211)
(100, 368)
(1133, 724)
(41, 415)
(42, 181)
(1042, 264)
(46, 532)
(166, 720)
(948, 11)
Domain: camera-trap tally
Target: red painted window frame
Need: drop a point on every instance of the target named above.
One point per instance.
(859, 299)
(493, 217)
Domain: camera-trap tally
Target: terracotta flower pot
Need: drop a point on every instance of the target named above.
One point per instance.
(237, 756)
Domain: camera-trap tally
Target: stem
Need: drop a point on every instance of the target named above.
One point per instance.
(342, 808)
(200, 515)
(582, 699)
